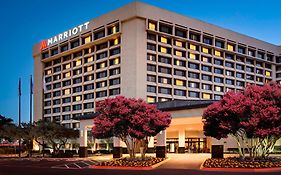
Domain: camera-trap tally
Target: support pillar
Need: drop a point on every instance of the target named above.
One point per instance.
(161, 144)
(150, 148)
(217, 151)
(117, 148)
(181, 148)
(83, 140)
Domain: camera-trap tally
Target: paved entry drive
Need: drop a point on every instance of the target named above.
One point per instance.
(77, 165)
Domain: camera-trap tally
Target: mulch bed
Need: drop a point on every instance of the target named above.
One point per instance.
(136, 162)
(236, 162)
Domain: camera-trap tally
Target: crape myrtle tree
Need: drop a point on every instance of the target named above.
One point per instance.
(132, 120)
(252, 117)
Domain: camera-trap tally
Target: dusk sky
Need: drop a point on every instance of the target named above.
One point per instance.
(25, 23)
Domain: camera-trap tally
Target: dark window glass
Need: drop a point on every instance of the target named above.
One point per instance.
(74, 44)
(151, 89)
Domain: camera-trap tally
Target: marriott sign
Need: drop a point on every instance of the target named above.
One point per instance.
(64, 35)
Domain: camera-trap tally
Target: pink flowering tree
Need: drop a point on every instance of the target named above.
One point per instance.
(252, 117)
(132, 120)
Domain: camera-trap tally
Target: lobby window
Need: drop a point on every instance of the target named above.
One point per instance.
(66, 75)
(194, 36)
(101, 94)
(219, 43)
(102, 74)
(101, 84)
(74, 43)
(88, 87)
(150, 99)
(179, 72)
(165, 60)
(206, 96)
(206, 68)
(193, 75)
(113, 82)
(206, 77)
(66, 100)
(179, 43)
(193, 66)
(152, 25)
(229, 73)
(164, 80)
(99, 34)
(113, 29)
(218, 71)
(114, 61)
(205, 50)
(164, 70)
(207, 87)
(193, 56)
(151, 68)
(192, 47)
(88, 96)
(229, 81)
(114, 51)
(267, 73)
(151, 78)
(151, 47)
(87, 39)
(207, 40)
(218, 53)
(163, 90)
(179, 92)
(180, 33)
(151, 37)
(218, 80)
(241, 49)
(230, 47)
(179, 82)
(151, 89)
(239, 75)
(115, 91)
(206, 59)
(193, 84)
(165, 28)
(102, 55)
(193, 94)
(218, 88)
(179, 63)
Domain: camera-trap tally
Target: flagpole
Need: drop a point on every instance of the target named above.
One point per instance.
(19, 115)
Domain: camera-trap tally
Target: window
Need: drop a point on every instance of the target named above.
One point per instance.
(193, 66)
(88, 105)
(87, 39)
(151, 89)
(66, 83)
(66, 100)
(179, 72)
(67, 66)
(267, 73)
(218, 97)
(164, 70)
(218, 88)
(102, 74)
(218, 80)
(230, 47)
(101, 94)
(193, 94)
(179, 53)
(240, 83)
(114, 51)
(179, 83)
(75, 43)
(193, 84)
(89, 59)
(164, 80)
(77, 89)
(115, 71)
(206, 86)
(229, 73)
(114, 81)
(99, 34)
(218, 71)
(113, 29)
(88, 78)
(56, 110)
(194, 36)
(150, 99)
(49, 72)
(66, 109)
(166, 29)
(229, 81)
(151, 68)
(251, 53)
(56, 94)
(249, 69)
(114, 91)
(239, 67)
(229, 56)
(179, 92)
(101, 84)
(77, 80)
(205, 50)
(57, 69)
(163, 50)
(54, 51)
(206, 77)
(101, 46)
(206, 59)
(151, 47)
(250, 77)
(218, 53)
(101, 65)
(66, 92)
(206, 68)
(206, 96)
(78, 63)
(163, 90)
(151, 26)
(45, 55)
(219, 44)
(192, 47)
(88, 87)
(166, 60)
(151, 78)
(77, 107)
(193, 75)
(163, 40)
(77, 98)
(179, 63)
(241, 50)
(64, 48)
(179, 43)
(56, 102)
(180, 33)
(239, 75)
(259, 71)
(88, 96)
(89, 68)
(193, 56)
(229, 64)
(102, 55)
(207, 40)
(114, 61)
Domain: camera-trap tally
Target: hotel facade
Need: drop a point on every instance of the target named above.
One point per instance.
(142, 51)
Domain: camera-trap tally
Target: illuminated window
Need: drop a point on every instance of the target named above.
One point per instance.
(163, 49)
(150, 99)
(218, 53)
(89, 68)
(205, 50)
(206, 96)
(267, 73)
(116, 41)
(66, 75)
(230, 47)
(192, 56)
(151, 26)
(163, 40)
(179, 53)
(77, 98)
(116, 61)
(66, 91)
(114, 29)
(179, 82)
(164, 80)
(218, 89)
(178, 62)
(67, 66)
(90, 59)
(78, 62)
(192, 47)
(102, 65)
(178, 43)
(87, 39)
(205, 59)
(49, 72)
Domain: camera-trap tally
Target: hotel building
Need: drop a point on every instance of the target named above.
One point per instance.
(146, 52)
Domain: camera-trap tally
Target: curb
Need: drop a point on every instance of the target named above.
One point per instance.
(277, 169)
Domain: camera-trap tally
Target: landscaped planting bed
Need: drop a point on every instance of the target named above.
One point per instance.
(132, 162)
(236, 162)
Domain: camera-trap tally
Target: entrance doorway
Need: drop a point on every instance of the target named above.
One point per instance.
(196, 145)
